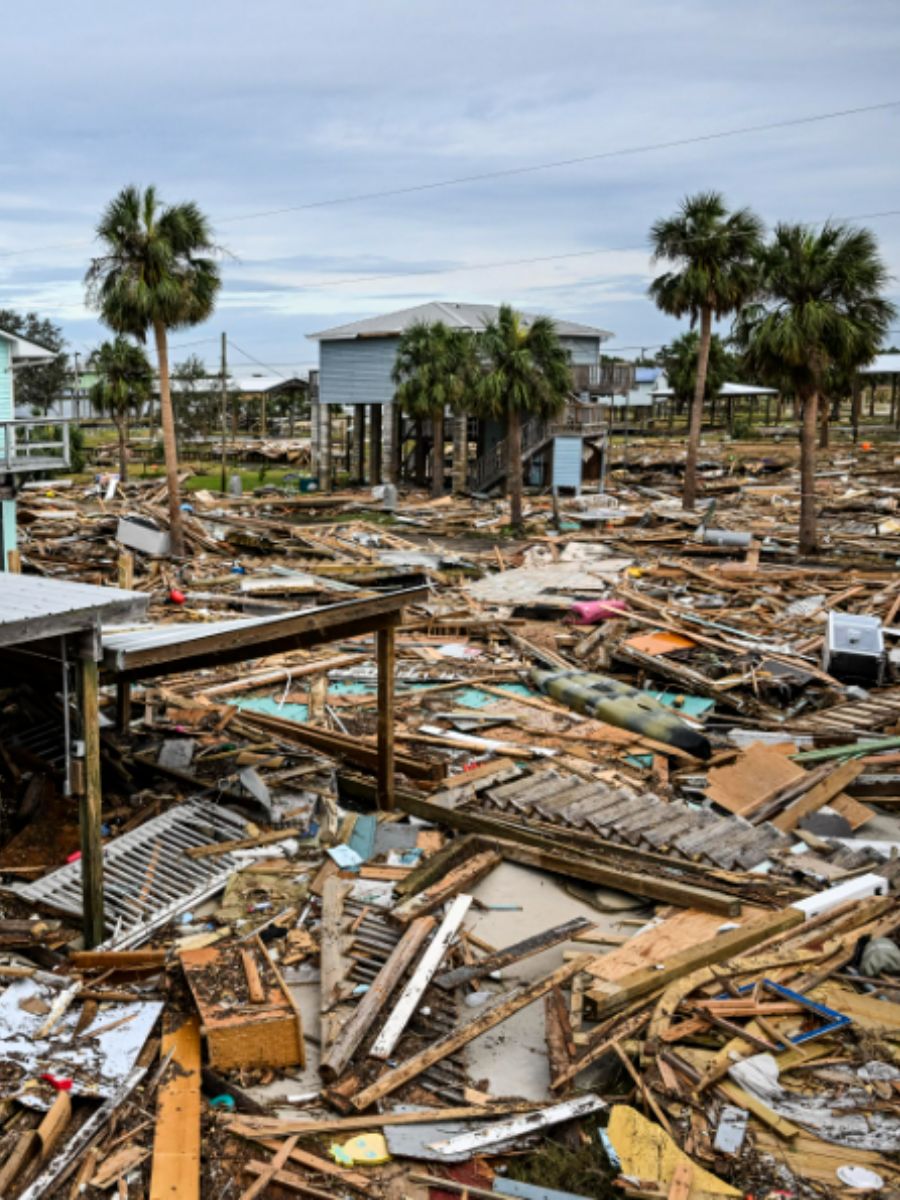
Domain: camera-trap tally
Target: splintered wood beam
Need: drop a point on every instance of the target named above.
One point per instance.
(265, 1176)
(353, 1032)
(822, 793)
(385, 653)
(451, 1042)
(334, 962)
(515, 953)
(456, 881)
(175, 1172)
(415, 988)
(608, 997)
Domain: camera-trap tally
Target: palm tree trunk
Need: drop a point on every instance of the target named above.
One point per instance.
(460, 453)
(514, 466)
(170, 448)
(420, 453)
(689, 496)
(808, 532)
(122, 431)
(824, 423)
(437, 453)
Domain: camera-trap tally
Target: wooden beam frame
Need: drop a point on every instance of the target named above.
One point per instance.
(385, 653)
(90, 806)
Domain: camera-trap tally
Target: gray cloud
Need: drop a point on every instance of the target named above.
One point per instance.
(259, 107)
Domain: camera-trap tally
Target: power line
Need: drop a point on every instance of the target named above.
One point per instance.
(267, 366)
(518, 262)
(511, 172)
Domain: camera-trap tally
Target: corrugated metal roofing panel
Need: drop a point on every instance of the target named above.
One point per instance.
(32, 607)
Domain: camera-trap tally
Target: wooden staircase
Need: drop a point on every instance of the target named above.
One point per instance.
(579, 420)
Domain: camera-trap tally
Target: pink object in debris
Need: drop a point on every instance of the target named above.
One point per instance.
(590, 612)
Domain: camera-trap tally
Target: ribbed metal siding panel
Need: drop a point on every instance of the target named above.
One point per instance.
(567, 462)
(357, 372)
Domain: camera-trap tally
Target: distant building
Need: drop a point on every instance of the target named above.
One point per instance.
(25, 446)
(356, 362)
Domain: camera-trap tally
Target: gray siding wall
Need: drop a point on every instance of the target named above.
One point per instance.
(357, 372)
(585, 352)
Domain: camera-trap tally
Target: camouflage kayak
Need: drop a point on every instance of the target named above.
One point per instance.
(621, 705)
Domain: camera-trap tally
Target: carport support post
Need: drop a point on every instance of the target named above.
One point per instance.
(90, 802)
(384, 639)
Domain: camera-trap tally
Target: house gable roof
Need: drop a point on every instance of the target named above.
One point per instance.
(472, 317)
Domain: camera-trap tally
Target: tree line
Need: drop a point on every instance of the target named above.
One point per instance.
(807, 308)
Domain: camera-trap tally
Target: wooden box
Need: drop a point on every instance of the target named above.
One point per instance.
(248, 1015)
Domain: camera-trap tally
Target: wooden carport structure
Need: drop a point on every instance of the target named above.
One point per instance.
(150, 652)
(51, 628)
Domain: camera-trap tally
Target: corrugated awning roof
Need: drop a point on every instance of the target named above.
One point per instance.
(153, 650)
(728, 389)
(32, 608)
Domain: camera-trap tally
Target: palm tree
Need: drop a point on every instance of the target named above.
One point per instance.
(679, 360)
(124, 383)
(156, 273)
(822, 307)
(715, 253)
(434, 368)
(526, 373)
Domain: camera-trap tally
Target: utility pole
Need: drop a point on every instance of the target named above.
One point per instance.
(224, 380)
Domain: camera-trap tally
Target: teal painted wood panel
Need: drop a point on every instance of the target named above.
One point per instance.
(7, 530)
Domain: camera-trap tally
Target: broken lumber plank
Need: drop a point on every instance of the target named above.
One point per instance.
(515, 953)
(255, 989)
(637, 883)
(455, 1040)
(411, 995)
(253, 1127)
(823, 792)
(117, 960)
(351, 1035)
(437, 865)
(609, 996)
(262, 839)
(66, 1159)
(335, 964)
(474, 1141)
(323, 1166)
(287, 1179)
(175, 1171)
(269, 1170)
(456, 881)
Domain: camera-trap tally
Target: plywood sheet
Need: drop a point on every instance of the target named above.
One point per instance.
(685, 928)
(755, 776)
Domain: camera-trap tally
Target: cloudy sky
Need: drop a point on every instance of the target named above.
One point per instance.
(281, 119)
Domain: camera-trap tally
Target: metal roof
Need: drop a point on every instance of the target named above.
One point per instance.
(32, 607)
(647, 374)
(472, 317)
(153, 650)
(729, 389)
(882, 364)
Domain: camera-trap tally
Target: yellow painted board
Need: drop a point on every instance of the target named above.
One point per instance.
(176, 1146)
(646, 1151)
